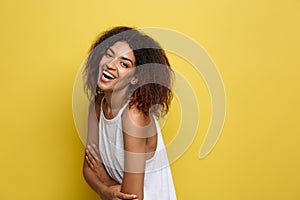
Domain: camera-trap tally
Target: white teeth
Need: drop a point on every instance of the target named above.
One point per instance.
(108, 74)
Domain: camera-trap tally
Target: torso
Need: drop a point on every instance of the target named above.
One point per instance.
(158, 182)
(151, 142)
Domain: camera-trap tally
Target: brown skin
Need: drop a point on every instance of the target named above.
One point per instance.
(140, 139)
(133, 180)
(93, 169)
(137, 145)
(152, 66)
(119, 62)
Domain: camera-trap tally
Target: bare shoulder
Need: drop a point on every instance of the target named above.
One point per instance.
(138, 117)
(136, 123)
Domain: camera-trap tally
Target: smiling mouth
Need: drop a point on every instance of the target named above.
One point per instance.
(108, 75)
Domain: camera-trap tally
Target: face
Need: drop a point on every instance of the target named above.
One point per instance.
(116, 68)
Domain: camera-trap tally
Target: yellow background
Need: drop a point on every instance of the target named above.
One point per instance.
(255, 45)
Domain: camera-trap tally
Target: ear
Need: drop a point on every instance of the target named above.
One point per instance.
(134, 80)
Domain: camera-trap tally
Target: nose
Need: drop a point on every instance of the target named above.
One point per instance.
(111, 64)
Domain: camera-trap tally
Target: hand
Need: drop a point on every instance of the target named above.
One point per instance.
(113, 193)
(93, 159)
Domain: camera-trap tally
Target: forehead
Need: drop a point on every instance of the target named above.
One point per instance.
(122, 48)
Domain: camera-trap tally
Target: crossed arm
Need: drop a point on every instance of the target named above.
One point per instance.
(94, 171)
(98, 179)
(136, 129)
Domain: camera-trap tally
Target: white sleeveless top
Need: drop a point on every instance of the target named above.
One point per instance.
(158, 182)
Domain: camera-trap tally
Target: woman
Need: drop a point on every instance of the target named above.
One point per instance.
(128, 79)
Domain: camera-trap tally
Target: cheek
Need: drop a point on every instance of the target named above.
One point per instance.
(100, 67)
(104, 60)
(101, 63)
(127, 74)
(99, 76)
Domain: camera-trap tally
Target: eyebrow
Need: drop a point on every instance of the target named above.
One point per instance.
(122, 57)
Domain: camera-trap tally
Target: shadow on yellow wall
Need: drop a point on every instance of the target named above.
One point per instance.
(255, 46)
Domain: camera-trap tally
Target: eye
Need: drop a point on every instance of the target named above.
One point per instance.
(108, 54)
(124, 64)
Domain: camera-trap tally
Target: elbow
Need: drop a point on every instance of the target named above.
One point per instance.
(140, 196)
(85, 173)
(138, 192)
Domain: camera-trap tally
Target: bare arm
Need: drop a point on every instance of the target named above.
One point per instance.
(100, 186)
(135, 139)
(133, 179)
(99, 180)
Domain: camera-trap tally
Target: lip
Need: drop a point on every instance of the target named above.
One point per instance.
(109, 74)
(104, 79)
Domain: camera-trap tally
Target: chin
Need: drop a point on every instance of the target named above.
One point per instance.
(105, 88)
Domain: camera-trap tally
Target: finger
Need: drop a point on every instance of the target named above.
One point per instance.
(95, 147)
(95, 151)
(89, 162)
(91, 151)
(90, 158)
(91, 155)
(126, 196)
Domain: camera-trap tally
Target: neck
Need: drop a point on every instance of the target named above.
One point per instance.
(114, 101)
